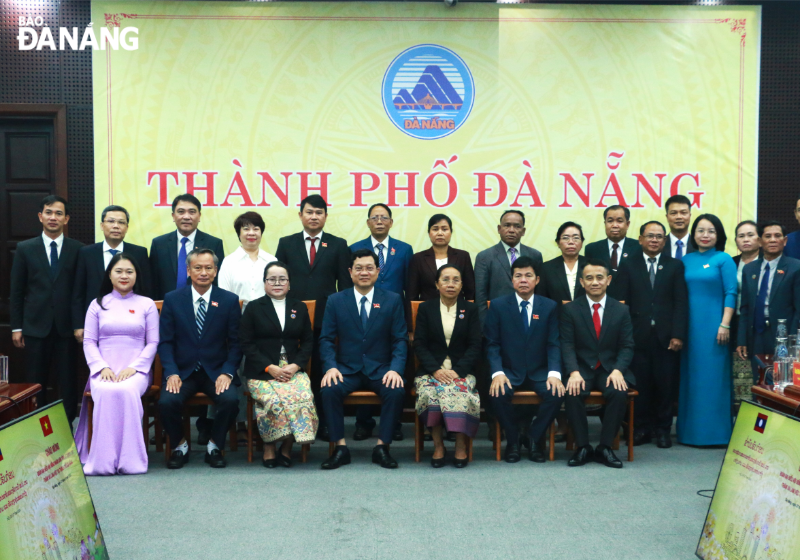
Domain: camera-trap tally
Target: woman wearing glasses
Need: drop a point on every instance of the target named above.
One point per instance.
(447, 341)
(560, 276)
(277, 337)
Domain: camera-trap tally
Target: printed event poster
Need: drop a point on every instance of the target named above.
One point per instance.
(46, 512)
(559, 111)
(755, 513)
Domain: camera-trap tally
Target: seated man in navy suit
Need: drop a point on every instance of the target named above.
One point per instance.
(199, 350)
(371, 355)
(524, 353)
(394, 257)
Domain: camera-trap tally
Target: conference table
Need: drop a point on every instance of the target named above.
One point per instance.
(786, 400)
(23, 394)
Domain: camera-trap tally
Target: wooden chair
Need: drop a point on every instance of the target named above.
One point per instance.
(596, 398)
(311, 305)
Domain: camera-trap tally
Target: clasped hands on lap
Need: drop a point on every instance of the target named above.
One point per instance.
(107, 374)
(576, 383)
(283, 374)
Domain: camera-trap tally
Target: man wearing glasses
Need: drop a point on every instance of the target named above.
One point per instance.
(653, 286)
(93, 261)
(394, 258)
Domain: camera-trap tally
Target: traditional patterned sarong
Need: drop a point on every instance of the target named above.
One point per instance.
(455, 404)
(742, 379)
(284, 409)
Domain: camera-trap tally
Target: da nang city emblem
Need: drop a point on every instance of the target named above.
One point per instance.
(428, 92)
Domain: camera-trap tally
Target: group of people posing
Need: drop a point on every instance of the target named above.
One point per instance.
(300, 330)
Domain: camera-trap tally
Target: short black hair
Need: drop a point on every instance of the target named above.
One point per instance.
(436, 218)
(448, 265)
(566, 225)
(677, 199)
(503, 215)
(644, 227)
(114, 208)
(770, 223)
(591, 261)
(249, 219)
(382, 205)
(360, 254)
(315, 201)
(525, 262)
(186, 197)
(52, 199)
(745, 223)
(717, 223)
(618, 207)
(274, 264)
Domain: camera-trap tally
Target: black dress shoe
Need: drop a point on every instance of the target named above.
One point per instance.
(537, 453)
(215, 459)
(664, 441)
(341, 456)
(322, 433)
(581, 457)
(640, 438)
(284, 461)
(362, 433)
(269, 463)
(460, 463)
(397, 434)
(177, 459)
(439, 463)
(606, 457)
(512, 453)
(380, 456)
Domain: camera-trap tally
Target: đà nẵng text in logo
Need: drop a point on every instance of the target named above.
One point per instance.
(34, 35)
(428, 91)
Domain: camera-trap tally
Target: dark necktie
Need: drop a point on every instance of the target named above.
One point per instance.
(53, 258)
(761, 302)
(312, 254)
(614, 256)
(679, 249)
(513, 252)
(200, 318)
(364, 315)
(180, 280)
(525, 321)
(380, 255)
(652, 262)
(596, 321)
(113, 252)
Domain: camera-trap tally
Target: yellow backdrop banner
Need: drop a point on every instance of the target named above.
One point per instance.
(557, 110)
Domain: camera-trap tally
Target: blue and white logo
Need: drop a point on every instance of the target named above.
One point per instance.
(428, 92)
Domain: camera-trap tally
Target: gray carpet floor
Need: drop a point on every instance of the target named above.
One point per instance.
(648, 510)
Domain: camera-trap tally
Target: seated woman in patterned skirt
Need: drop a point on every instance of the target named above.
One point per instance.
(447, 342)
(276, 338)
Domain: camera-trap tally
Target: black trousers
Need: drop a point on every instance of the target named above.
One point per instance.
(170, 406)
(616, 403)
(654, 367)
(43, 353)
(504, 411)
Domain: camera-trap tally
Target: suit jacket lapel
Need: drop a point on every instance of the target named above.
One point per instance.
(172, 251)
(779, 273)
(377, 300)
(608, 315)
(323, 249)
(587, 316)
(189, 305)
(461, 309)
(429, 258)
(355, 309)
(387, 262)
(97, 255)
(211, 310)
(535, 308)
(502, 258)
(272, 314)
(561, 275)
(643, 270)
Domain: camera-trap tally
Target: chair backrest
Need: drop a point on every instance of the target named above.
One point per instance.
(414, 310)
(158, 371)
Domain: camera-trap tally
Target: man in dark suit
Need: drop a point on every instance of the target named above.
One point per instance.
(318, 263)
(394, 258)
(199, 350)
(370, 355)
(616, 247)
(93, 261)
(653, 287)
(42, 279)
(770, 291)
(679, 218)
(524, 354)
(493, 265)
(596, 349)
(560, 280)
(168, 252)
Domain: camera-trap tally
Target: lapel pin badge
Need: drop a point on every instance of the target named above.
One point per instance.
(461, 316)
(214, 304)
(376, 305)
(293, 311)
(780, 271)
(706, 265)
(131, 310)
(535, 317)
(754, 276)
(392, 251)
(324, 244)
(293, 316)
(625, 255)
(660, 267)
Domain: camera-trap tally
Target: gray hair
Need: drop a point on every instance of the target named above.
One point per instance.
(201, 251)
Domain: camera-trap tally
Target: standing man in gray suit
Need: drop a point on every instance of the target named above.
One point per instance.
(493, 265)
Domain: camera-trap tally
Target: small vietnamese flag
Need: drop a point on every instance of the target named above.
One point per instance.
(47, 427)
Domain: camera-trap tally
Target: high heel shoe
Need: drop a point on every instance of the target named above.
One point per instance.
(460, 463)
(269, 463)
(439, 463)
(284, 461)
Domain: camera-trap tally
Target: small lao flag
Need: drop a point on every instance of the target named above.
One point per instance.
(761, 423)
(47, 427)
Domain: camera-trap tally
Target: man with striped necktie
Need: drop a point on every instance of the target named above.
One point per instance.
(199, 352)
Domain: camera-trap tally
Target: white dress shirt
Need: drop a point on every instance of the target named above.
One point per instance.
(47, 241)
(280, 311)
(647, 262)
(108, 256)
(773, 266)
(196, 297)
(440, 262)
(369, 297)
(308, 243)
(508, 250)
(385, 244)
(189, 243)
(600, 311)
(572, 277)
(529, 311)
(673, 243)
(243, 276)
